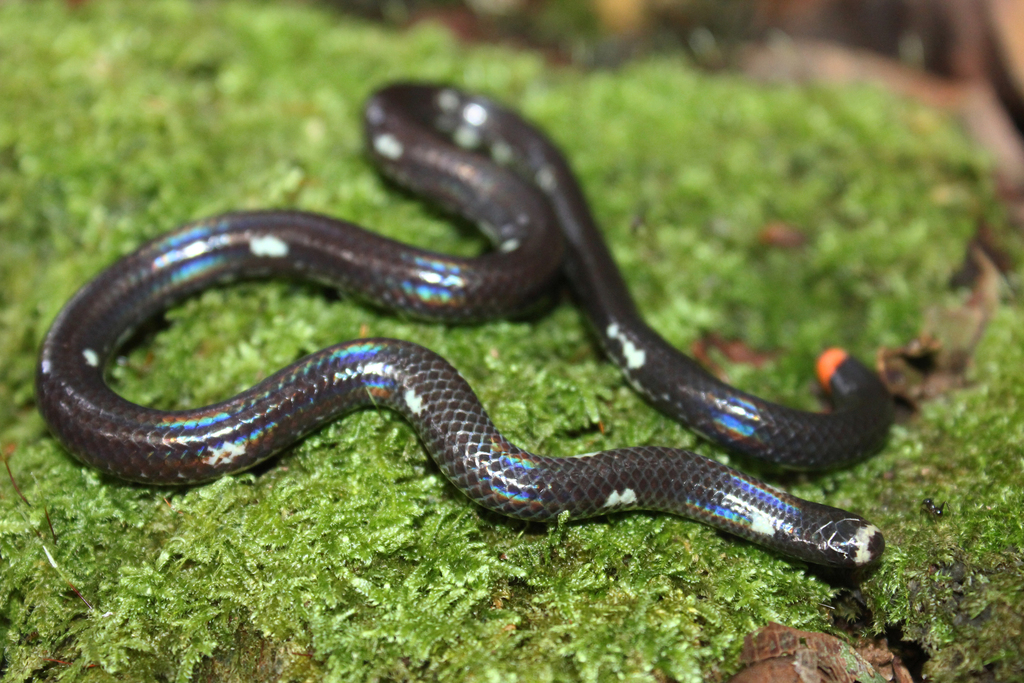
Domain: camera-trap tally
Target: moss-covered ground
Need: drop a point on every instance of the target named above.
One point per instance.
(350, 557)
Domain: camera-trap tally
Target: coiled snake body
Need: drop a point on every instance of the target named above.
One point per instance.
(541, 229)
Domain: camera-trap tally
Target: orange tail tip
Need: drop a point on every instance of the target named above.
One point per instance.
(827, 364)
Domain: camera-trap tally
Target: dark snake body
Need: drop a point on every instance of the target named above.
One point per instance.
(538, 233)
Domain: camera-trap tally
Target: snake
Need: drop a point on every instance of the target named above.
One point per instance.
(486, 163)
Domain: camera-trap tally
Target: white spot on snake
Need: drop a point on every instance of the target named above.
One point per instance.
(502, 153)
(761, 523)
(414, 402)
(863, 540)
(467, 137)
(45, 367)
(474, 114)
(635, 356)
(387, 145)
(375, 368)
(509, 245)
(627, 497)
(448, 100)
(546, 179)
(197, 248)
(91, 358)
(268, 245)
(225, 455)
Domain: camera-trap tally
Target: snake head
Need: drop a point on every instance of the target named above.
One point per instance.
(851, 542)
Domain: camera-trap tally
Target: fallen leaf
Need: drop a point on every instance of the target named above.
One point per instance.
(783, 235)
(780, 654)
(936, 361)
(985, 239)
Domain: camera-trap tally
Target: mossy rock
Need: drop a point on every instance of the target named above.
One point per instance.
(350, 557)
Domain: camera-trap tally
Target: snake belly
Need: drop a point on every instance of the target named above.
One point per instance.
(410, 131)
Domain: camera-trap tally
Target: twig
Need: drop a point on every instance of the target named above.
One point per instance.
(7, 453)
(52, 532)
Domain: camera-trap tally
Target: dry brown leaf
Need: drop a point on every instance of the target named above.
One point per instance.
(936, 361)
(780, 654)
(782, 235)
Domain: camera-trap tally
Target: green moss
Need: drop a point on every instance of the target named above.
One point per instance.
(350, 556)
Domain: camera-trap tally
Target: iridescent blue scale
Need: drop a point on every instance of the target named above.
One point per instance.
(763, 493)
(431, 295)
(196, 422)
(197, 268)
(721, 512)
(733, 426)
